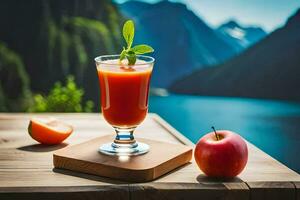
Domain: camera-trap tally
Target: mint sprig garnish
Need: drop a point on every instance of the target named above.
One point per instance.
(131, 52)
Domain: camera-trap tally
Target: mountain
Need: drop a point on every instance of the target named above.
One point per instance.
(182, 41)
(268, 69)
(240, 37)
(53, 39)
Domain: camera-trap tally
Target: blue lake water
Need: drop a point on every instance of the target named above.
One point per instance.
(273, 126)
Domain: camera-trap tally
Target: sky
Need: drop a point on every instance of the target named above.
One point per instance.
(268, 14)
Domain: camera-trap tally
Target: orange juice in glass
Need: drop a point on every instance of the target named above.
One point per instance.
(124, 100)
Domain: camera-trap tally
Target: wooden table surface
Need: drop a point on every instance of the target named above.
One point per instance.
(26, 169)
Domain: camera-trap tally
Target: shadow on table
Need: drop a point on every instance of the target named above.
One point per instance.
(87, 176)
(174, 171)
(42, 147)
(202, 178)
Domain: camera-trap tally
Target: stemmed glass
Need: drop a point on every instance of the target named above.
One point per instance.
(124, 93)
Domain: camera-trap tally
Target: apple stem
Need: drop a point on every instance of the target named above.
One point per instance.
(217, 136)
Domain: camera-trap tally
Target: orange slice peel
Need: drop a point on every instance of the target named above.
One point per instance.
(49, 130)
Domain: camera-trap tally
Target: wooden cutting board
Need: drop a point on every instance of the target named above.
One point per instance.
(162, 158)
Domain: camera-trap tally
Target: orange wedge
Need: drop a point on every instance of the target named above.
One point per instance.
(48, 130)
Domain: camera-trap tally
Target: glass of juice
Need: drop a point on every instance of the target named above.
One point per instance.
(124, 93)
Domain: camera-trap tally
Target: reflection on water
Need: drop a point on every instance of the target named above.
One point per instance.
(273, 126)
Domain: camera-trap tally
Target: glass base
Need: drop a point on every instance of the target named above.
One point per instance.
(136, 148)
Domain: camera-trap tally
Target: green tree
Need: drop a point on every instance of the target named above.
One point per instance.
(62, 98)
(15, 94)
(55, 38)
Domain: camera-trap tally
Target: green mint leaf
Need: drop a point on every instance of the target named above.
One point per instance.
(141, 49)
(131, 57)
(128, 32)
(130, 53)
(123, 54)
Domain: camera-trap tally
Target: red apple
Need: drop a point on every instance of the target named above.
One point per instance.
(221, 154)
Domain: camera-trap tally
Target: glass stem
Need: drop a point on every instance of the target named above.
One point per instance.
(124, 136)
(124, 144)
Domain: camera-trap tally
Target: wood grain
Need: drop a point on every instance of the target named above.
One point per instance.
(65, 192)
(26, 168)
(297, 187)
(162, 158)
(182, 191)
(272, 190)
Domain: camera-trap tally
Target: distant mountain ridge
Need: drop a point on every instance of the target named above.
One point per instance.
(269, 69)
(240, 37)
(182, 41)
